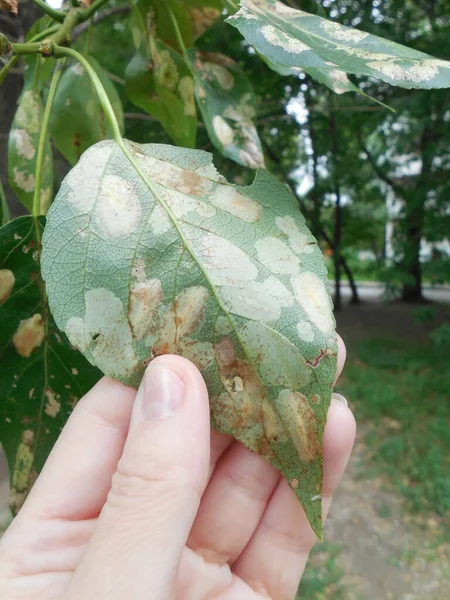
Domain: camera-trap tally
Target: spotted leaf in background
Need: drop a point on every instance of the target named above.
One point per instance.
(43, 376)
(77, 120)
(294, 38)
(152, 18)
(159, 81)
(227, 103)
(22, 152)
(162, 255)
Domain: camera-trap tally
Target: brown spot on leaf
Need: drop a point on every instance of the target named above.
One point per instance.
(52, 407)
(10, 5)
(300, 421)
(7, 281)
(29, 335)
(145, 300)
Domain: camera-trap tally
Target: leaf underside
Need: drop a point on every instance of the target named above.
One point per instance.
(42, 375)
(294, 38)
(156, 253)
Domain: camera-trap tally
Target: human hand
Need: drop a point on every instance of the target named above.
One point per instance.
(139, 500)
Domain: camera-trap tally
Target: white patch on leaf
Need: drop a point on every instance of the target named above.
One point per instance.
(341, 33)
(225, 263)
(423, 71)
(118, 208)
(22, 141)
(313, 297)
(299, 242)
(222, 130)
(277, 256)
(52, 406)
(104, 332)
(278, 38)
(23, 181)
(305, 331)
(228, 199)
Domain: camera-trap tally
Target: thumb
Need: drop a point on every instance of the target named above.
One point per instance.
(155, 493)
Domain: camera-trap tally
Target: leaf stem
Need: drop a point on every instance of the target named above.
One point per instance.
(56, 15)
(37, 209)
(93, 8)
(60, 51)
(177, 32)
(9, 65)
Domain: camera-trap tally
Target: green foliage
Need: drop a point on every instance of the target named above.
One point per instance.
(294, 38)
(323, 575)
(403, 390)
(227, 103)
(153, 229)
(23, 152)
(222, 275)
(77, 119)
(159, 81)
(42, 375)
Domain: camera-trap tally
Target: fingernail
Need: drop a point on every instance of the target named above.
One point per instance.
(340, 397)
(160, 394)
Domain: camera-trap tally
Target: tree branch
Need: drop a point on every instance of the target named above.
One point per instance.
(56, 15)
(80, 29)
(380, 173)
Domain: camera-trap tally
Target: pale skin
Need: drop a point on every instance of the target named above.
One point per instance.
(140, 500)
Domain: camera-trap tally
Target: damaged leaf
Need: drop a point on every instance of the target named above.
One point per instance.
(162, 255)
(159, 81)
(227, 103)
(42, 375)
(152, 18)
(294, 38)
(11, 5)
(22, 152)
(203, 14)
(77, 120)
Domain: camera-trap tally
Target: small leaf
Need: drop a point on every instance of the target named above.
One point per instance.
(42, 375)
(77, 120)
(159, 81)
(294, 38)
(227, 103)
(152, 18)
(10, 5)
(4, 210)
(203, 13)
(37, 70)
(22, 152)
(162, 255)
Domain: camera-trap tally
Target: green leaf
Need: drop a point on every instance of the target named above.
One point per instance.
(22, 152)
(42, 375)
(37, 70)
(159, 81)
(152, 18)
(294, 38)
(4, 210)
(227, 103)
(203, 14)
(161, 254)
(77, 120)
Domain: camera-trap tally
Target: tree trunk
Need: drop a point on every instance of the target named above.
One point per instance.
(337, 250)
(412, 290)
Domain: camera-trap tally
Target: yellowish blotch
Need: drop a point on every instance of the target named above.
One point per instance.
(298, 241)
(341, 33)
(29, 112)
(277, 256)
(22, 475)
(52, 407)
(29, 335)
(300, 421)
(7, 281)
(145, 300)
(223, 77)
(186, 89)
(202, 18)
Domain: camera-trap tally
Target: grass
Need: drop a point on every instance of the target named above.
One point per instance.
(403, 391)
(322, 577)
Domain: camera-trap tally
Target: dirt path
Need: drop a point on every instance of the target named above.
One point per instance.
(385, 553)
